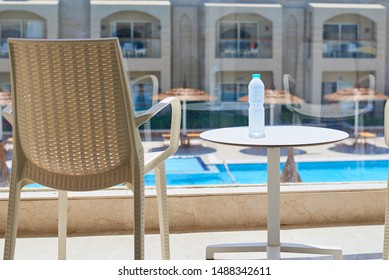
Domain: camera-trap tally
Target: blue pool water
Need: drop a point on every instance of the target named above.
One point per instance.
(192, 171)
(183, 171)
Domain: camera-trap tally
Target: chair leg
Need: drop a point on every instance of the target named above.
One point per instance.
(139, 225)
(160, 180)
(12, 221)
(62, 224)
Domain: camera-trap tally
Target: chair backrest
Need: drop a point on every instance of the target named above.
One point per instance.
(72, 112)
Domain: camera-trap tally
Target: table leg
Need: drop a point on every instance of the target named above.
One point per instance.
(273, 245)
(273, 192)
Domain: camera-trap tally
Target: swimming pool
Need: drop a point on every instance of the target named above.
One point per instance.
(193, 171)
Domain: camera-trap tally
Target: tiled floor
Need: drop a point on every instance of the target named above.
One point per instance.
(357, 242)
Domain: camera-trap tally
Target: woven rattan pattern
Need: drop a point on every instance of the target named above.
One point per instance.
(73, 117)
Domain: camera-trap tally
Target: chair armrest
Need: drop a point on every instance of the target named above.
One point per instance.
(175, 119)
(148, 114)
(386, 123)
(286, 80)
(7, 113)
(153, 79)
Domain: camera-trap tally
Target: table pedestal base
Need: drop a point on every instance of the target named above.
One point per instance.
(273, 252)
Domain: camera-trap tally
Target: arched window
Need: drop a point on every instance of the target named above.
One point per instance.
(349, 36)
(244, 36)
(139, 33)
(19, 25)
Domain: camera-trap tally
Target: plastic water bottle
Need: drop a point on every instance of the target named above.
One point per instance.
(256, 109)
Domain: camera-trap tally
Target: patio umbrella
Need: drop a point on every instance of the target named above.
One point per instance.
(289, 172)
(5, 98)
(355, 95)
(276, 97)
(185, 94)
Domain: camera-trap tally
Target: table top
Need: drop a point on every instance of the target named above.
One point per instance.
(276, 136)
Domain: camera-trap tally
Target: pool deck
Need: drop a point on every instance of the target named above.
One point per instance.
(214, 153)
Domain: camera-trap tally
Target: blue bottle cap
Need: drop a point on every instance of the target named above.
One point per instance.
(256, 76)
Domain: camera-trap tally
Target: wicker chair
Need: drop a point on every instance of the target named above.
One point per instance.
(74, 129)
(386, 227)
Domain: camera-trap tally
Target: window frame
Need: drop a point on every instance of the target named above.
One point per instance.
(22, 24)
(236, 42)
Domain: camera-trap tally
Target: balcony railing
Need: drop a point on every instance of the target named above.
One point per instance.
(141, 48)
(230, 48)
(356, 49)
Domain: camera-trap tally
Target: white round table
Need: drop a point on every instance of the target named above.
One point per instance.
(275, 138)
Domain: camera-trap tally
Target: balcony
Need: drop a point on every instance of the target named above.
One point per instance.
(357, 49)
(227, 48)
(141, 48)
(348, 215)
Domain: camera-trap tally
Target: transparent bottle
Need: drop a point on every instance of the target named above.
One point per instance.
(256, 109)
